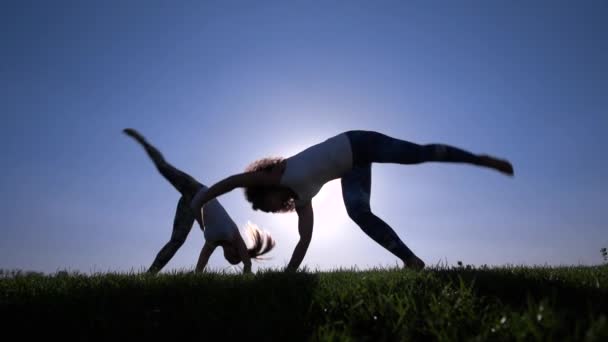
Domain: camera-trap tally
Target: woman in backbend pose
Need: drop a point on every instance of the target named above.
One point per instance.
(283, 185)
(218, 228)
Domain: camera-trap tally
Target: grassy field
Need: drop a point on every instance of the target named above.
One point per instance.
(455, 304)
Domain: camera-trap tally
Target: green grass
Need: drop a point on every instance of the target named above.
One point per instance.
(456, 304)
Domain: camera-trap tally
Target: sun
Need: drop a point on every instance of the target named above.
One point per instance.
(330, 195)
(329, 208)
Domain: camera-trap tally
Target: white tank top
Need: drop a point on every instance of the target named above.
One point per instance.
(306, 172)
(218, 224)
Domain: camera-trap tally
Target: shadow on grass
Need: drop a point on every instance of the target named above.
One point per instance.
(163, 307)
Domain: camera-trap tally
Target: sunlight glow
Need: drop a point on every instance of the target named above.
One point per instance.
(329, 209)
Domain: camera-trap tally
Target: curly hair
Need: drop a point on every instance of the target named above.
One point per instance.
(262, 241)
(255, 195)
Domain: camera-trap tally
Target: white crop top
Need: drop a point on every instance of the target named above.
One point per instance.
(218, 224)
(306, 172)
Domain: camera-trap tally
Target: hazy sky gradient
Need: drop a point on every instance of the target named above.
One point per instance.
(216, 85)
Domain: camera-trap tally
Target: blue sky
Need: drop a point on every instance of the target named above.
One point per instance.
(216, 85)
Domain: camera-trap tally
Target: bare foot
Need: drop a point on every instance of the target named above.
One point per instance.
(414, 263)
(498, 164)
(134, 134)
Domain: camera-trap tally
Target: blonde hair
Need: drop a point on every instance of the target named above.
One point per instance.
(261, 241)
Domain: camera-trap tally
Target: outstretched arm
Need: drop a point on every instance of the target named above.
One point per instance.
(305, 224)
(204, 256)
(247, 179)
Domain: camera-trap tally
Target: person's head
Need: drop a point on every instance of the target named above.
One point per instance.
(230, 253)
(262, 243)
(273, 199)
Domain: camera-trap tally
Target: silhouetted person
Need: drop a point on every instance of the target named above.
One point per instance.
(219, 229)
(283, 185)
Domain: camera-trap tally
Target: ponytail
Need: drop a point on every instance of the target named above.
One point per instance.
(262, 241)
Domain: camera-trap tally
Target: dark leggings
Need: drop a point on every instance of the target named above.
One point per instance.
(184, 218)
(372, 147)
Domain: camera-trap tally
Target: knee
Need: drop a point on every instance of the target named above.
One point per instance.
(176, 243)
(358, 212)
(433, 152)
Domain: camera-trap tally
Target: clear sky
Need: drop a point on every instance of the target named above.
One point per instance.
(216, 85)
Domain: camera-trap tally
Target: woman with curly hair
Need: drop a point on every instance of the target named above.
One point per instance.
(282, 185)
(219, 229)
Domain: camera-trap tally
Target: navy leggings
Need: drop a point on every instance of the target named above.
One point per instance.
(184, 218)
(372, 147)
